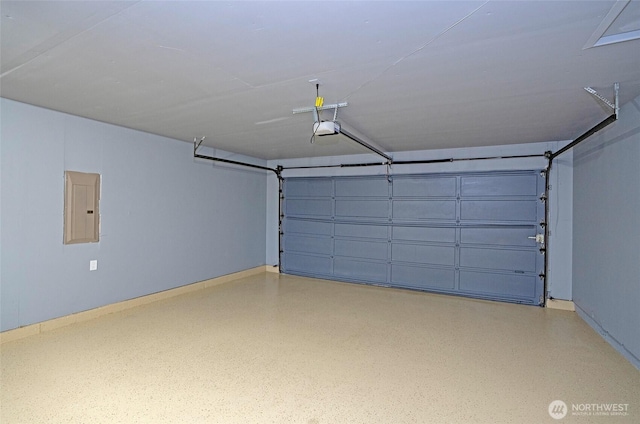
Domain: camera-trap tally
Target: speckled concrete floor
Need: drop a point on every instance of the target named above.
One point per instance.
(282, 349)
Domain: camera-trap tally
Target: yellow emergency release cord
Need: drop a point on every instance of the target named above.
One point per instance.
(319, 100)
(319, 104)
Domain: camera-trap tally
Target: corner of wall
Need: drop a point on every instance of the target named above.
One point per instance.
(606, 231)
(561, 226)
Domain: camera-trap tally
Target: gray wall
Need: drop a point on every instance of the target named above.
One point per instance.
(606, 231)
(167, 219)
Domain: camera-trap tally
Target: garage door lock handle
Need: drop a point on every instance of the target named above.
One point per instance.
(539, 238)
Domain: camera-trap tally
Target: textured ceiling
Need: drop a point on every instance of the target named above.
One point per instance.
(415, 75)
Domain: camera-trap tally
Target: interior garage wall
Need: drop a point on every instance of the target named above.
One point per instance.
(166, 219)
(561, 193)
(606, 228)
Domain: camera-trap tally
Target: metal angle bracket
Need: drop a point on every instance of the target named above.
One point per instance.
(613, 105)
(334, 106)
(197, 143)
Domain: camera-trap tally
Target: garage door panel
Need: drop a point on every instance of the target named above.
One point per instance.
(423, 277)
(502, 259)
(425, 234)
(362, 209)
(353, 269)
(424, 186)
(499, 236)
(435, 255)
(424, 209)
(464, 233)
(371, 187)
(308, 244)
(361, 249)
(309, 207)
(499, 210)
(503, 185)
(308, 264)
(309, 187)
(296, 226)
(498, 284)
(362, 231)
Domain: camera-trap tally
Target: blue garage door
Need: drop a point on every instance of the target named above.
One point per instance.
(467, 234)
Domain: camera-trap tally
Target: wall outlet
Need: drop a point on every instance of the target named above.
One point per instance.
(93, 265)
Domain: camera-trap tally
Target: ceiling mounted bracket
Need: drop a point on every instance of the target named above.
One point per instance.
(196, 143)
(334, 106)
(316, 116)
(613, 105)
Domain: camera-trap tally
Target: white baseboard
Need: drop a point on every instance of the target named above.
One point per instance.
(41, 327)
(565, 305)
